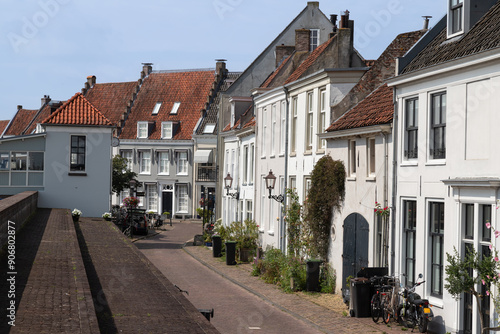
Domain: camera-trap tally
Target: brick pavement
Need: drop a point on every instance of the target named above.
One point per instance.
(320, 317)
(50, 278)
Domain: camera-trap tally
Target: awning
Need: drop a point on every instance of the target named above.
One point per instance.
(203, 156)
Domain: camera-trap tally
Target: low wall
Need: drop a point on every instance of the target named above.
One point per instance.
(17, 209)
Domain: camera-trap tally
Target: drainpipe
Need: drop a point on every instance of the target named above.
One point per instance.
(394, 178)
(283, 222)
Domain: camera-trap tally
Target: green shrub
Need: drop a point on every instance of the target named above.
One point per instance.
(272, 266)
(328, 278)
(295, 269)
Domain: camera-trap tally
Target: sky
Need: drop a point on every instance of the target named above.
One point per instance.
(49, 47)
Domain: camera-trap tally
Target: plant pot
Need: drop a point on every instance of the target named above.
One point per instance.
(208, 244)
(75, 218)
(245, 254)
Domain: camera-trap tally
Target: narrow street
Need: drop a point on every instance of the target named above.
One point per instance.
(236, 310)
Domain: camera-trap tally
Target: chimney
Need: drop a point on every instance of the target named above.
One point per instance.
(426, 22)
(282, 51)
(147, 68)
(344, 20)
(313, 4)
(45, 100)
(220, 66)
(91, 79)
(19, 107)
(333, 20)
(302, 40)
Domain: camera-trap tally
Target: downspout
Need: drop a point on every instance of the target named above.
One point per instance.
(283, 222)
(394, 179)
(386, 199)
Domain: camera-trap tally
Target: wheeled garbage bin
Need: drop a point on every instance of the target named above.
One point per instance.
(217, 245)
(230, 253)
(360, 297)
(312, 275)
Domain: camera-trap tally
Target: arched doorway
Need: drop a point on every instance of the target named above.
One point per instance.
(355, 249)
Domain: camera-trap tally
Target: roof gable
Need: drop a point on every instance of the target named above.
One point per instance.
(77, 111)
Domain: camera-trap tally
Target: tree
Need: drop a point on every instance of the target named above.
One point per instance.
(464, 275)
(325, 196)
(121, 174)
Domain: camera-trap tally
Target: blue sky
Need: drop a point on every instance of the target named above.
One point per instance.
(49, 47)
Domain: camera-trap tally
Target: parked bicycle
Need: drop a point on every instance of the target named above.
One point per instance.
(381, 286)
(390, 300)
(414, 311)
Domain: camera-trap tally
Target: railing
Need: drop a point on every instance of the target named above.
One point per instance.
(206, 173)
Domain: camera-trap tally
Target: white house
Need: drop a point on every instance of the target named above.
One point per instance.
(447, 177)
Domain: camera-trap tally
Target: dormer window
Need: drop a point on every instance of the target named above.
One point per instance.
(313, 39)
(209, 128)
(156, 108)
(455, 17)
(175, 108)
(166, 130)
(142, 130)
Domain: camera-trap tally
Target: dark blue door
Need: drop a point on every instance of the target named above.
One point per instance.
(355, 250)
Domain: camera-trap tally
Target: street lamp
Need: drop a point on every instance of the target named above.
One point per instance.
(270, 182)
(133, 185)
(228, 182)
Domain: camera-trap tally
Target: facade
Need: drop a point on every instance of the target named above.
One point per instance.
(65, 162)
(447, 168)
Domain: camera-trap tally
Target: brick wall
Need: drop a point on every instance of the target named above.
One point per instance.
(16, 208)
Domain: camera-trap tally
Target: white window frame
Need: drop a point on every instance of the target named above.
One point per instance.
(128, 155)
(245, 164)
(167, 130)
(264, 130)
(142, 130)
(164, 168)
(182, 198)
(251, 164)
(152, 197)
(156, 108)
(282, 127)
(144, 162)
(313, 39)
(455, 6)
(182, 164)
(309, 121)
(371, 166)
(249, 209)
(175, 108)
(273, 129)
(410, 126)
(352, 158)
(434, 127)
(293, 145)
(322, 118)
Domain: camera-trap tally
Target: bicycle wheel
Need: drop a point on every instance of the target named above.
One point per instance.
(385, 309)
(375, 307)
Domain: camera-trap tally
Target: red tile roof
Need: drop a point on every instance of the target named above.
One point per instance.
(42, 115)
(3, 125)
(20, 121)
(77, 111)
(377, 108)
(111, 98)
(309, 61)
(268, 81)
(250, 123)
(190, 88)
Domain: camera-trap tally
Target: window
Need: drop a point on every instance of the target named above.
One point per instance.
(152, 197)
(182, 163)
(183, 198)
(209, 128)
(242, 211)
(263, 201)
(313, 39)
(436, 219)
(264, 130)
(273, 128)
(249, 210)
(282, 127)
(175, 108)
(409, 235)
(456, 16)
(128, 156)
(145, 162)
(309, 122)
(370, 143)
(21, 168)
(438, 126)
(352, 157)
(166, 130)
(411, 129)
(245, 164)
(142, 130)
(322, 118)
(293, 182)
(307, 186)
(77, 158)
(156, 108)
(294, 125)
(19, 161)
(164, 165)
(232, 165)
(250, 165)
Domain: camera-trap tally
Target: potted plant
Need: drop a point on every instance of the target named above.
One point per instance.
(75, 214)
(246, 236)
(131, 202)
(106, 216)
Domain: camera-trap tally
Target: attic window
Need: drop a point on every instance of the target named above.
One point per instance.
(175, 108)
(156, 108)
(209, 128)
(313, 39)
(142, 129)
(455, 17)
(166, 130)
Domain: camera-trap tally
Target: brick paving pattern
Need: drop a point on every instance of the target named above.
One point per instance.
(50, 277)
(317, 316)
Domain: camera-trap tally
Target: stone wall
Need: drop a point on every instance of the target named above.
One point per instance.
(17, 209)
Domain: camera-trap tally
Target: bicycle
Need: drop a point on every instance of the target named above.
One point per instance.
(390, 300)
(380, 284)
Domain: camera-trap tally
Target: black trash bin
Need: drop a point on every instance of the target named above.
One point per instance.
(230, 253)
(312, 275)
(360, 297)
(217, 245)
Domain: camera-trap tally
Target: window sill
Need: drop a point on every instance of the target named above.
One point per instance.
(322, 151)
(281, 155)
(77, 174)
(261, 231)
(163, 174)
(407, 163)
(145, 173)
(308, 153)
(438, 162)
(271, 233)
(351, 178)
(293, 154)
(371, 179)
(272, 156)
(182, 174)
(263, 157)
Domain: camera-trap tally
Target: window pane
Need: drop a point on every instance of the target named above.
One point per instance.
(19, 160)
(4, 178)
(36, 161)
(486, 232)
(469, 221)
(35, 179)
(4, 160)
(18, 179)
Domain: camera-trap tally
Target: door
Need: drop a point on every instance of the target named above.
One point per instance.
(167, 201)
(355, 249)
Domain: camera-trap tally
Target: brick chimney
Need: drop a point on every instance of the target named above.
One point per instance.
(220, 66)
(45, 99)
(283, 51)
(91, 80)
(345, 37)
(302, 39)
(19, 107)
(147, 68)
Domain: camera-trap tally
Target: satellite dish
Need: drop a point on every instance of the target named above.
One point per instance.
(115, 142)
